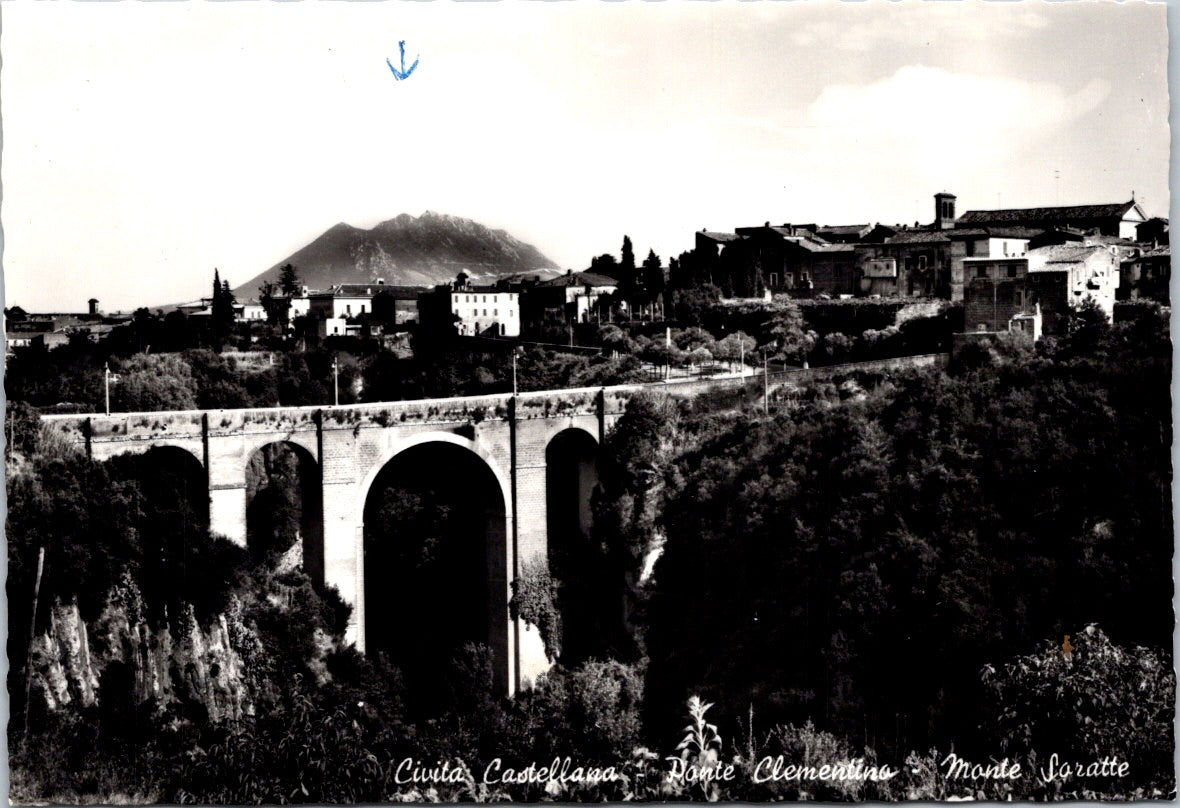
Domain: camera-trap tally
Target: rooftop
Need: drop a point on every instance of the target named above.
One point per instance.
(1066, 213)
(919, 237)
(1063, 254)
(715, 235)
(581, 279)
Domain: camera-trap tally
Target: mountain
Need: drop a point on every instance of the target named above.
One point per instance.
(406, 251)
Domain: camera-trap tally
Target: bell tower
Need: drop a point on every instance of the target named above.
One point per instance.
(944, 210)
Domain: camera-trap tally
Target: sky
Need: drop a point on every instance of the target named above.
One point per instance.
(145, 144)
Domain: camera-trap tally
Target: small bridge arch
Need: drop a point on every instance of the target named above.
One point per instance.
(284, 495)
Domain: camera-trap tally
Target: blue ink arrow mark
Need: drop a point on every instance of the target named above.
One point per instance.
(403, 73)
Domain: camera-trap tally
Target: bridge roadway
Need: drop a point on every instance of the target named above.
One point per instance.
(350, 444)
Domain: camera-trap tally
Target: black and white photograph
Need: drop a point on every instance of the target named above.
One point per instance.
(586, 401)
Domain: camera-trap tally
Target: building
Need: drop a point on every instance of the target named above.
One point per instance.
(51, 329)
(1065, 276)
(1147, 276)
(1117, 219)
(786, 258)
(983, 242)
(1034, 293)
(575, 297)
(344, 300)
(251, 312)
(996, 296)
(911, 263)
(471, 310)
(1154, 232)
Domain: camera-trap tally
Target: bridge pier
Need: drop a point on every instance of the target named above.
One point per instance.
(227, 511)
(344, 555)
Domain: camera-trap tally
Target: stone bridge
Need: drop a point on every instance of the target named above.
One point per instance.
(349, 446)
(508, 447)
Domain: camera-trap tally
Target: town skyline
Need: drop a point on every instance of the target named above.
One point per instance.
(247, 142)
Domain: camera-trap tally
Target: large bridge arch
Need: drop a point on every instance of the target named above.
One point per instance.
(436, 559)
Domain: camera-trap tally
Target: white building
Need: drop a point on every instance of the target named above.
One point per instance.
(346, 300)
(485, 310)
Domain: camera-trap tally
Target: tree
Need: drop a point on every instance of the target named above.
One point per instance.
(151, 382)
(289, 279)
(652, 279)
(693, 300)
(735, 346)
(628, 276)
(221, 309)
(1117, 702)
(628, 256)
(605, 264)
(790, 340)
(267, 298)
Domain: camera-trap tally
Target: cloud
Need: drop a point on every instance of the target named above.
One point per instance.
(927, 117)
(865, 29)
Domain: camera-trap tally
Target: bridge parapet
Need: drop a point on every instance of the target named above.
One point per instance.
(125, 426)
(471, 409)
(557, 403)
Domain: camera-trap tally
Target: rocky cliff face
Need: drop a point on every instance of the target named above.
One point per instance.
(196, 665)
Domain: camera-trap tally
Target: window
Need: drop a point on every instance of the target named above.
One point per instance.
(970, 247)
(348, 308)
(774, 279)
(981, 272)
(485, 299)
(921, 262)
(1005, 248)
(362, 308)
(1019, 297)
(1012, 270)
(485, 312)
(495, 312)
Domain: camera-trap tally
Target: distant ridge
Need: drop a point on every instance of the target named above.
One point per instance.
(407, 251)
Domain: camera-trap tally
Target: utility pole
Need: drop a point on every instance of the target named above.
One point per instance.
(514, 372)
(335, 382)
(668, 345)
(107, 385)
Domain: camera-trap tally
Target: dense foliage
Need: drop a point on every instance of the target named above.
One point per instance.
(958, 517)
(879, 569)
